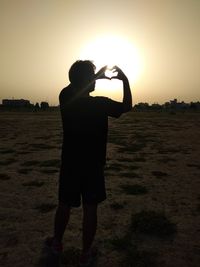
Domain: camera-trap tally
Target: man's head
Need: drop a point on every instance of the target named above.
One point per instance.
(82, 75)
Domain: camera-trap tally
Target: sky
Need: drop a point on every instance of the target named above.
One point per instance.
(155, 42)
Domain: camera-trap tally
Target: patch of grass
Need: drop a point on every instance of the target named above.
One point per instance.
(11, 240)
(131, 175)
(44, 137)
(70, 257)
(45, 207)
(24, 170)
(132, 255)
(139, 159)
(33, 183)
(51, 163)
(113, 167)
(116, 206)
(7, 151)
(49, 171)
(7, 162)
(144, 138)
(116, 139)
(24, 152)
(30, 163)
(194, 165)
(169, 150)
(21, 143)
(125, 160)
(133, 167)
(134, 189)
(121, 243)
(132, 148)
(137, 258)
(145, 222)
(198, 208)
(4, 176)
(41, 146)
(58, 141)
(159, 174)
(109, 174)
(153, 223)
(166, 160)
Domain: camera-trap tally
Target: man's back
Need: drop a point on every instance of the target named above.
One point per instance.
(85, 125)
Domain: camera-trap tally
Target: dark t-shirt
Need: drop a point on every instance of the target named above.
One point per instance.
(85, 126)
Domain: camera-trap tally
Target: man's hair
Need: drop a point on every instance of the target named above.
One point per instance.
(81, 72)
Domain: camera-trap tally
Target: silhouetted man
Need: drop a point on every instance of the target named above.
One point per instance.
(85, 126)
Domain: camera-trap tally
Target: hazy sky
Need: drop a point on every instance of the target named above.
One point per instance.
(40, 39)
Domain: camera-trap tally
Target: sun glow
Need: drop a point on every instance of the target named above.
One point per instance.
(113, 50)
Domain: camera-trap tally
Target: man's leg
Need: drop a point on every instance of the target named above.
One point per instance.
(89, 226)
(54, 244)
(61, 221)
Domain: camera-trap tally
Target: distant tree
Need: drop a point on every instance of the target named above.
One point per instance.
(156, 107)
(193, 106)
(37, 106)
(44, 105)
(142, 106)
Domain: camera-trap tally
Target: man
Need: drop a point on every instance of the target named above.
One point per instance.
(85, 126)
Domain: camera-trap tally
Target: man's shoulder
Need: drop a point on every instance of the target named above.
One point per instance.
(66, 94)
(65, 90)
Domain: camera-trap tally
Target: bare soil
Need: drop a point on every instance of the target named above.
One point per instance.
(155, 154)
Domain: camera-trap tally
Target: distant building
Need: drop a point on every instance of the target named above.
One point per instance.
(16, 103)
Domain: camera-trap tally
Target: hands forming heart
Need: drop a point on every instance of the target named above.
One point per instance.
(110, 73)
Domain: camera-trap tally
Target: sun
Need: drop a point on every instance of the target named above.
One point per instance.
(113, 50)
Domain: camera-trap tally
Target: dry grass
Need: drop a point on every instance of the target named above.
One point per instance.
(151, 217)
(153, 224)
(34, 183)
(4, 176)
(134, 189)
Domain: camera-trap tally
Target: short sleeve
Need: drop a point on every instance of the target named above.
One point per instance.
(110, 107)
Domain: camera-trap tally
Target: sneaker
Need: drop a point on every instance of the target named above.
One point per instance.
(87, 259)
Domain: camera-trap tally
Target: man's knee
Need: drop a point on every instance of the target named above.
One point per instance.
(90, 209)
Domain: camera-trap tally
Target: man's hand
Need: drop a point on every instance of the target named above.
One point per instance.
(101, 74)
(114, 73)
(118, 74)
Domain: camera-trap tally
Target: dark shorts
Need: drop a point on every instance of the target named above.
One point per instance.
(81, 181)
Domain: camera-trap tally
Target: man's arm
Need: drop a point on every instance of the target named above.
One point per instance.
(127, 96)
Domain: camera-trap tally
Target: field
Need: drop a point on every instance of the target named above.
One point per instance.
(151, 217)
